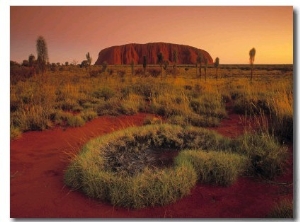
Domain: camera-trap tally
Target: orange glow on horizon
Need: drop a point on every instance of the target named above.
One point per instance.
(224, 31)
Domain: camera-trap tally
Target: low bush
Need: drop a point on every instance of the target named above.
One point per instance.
(154, 72)
(202, 120)
(130, 106)
(282, 127)
(75, 121)
(139, 71)
(109, 107)
(88, 115)
(121, 73)
(266, 155)
(194, 119)
(209, 105)
(244, 105)
(68, 104)
(167, 106)
(148, 89)
(35, 118)
(283, 209)
(20, 73)
(105, 93)
(178, 120)
(94, 73)
(153, 188)
(215, 167)
(281, 116)
(152, 120)
(15, 132)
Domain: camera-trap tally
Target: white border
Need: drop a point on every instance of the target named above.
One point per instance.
(5, 59)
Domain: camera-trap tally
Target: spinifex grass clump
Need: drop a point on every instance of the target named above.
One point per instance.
(214, 167)
(118, 167)
(273, 100)
(266, 155)
(283, 209)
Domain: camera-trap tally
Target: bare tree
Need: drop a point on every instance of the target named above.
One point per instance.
(25, 63)
(252, 53)
(74, 62)
(31, 60)
(144, 63)
(160, 61)
(42, 53)
(88, 58)
(175, 60)
(216, 64)
(205, 66)
(84, 64)
(104, 66)
(199, 60)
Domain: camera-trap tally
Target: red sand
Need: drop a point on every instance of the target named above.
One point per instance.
(38, 161)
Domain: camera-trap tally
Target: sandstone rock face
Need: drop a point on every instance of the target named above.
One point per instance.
(125, 54)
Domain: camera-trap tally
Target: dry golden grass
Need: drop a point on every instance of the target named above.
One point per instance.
(36, 101)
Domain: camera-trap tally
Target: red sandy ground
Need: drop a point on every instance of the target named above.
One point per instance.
(38, 161)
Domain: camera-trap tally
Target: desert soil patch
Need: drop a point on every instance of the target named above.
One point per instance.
(39, 159)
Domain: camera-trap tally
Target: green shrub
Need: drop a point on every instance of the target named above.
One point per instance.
(60, 117)
(129, 107)
(20, 73)
(15, 132)
(75, 121)
(34, 118)
(245, 105)
(77, 108)
(154, 72)
(209, 105)
(266, 155)
(68, 104)
(105, 93)
(200, 138)
(215, 167)
(282, 127)
(109, 107)
(283, 209)
(88, 115)
(178, 120)
(194, 119)
(202, 120)
(152, 120)
(126, 91)
(152, 188)
(148, 89)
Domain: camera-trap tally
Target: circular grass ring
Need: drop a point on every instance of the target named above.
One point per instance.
(102, 170)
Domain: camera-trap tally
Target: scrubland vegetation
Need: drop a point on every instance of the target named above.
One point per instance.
(69, 96)
(283, 209)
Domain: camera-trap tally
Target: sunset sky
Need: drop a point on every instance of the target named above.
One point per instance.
(226, 32)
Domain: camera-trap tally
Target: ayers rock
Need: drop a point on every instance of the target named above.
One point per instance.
(124, 54)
